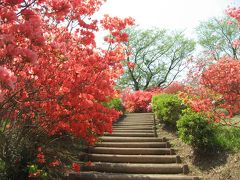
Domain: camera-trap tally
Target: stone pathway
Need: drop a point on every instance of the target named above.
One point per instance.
(133, 152)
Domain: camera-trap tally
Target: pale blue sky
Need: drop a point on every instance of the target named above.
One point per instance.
(171, 14)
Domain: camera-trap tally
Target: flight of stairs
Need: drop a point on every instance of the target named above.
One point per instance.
(133, 152)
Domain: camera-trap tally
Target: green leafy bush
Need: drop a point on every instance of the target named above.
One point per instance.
(194, 129)
(167, 107)
(228, 137)
(115, 103)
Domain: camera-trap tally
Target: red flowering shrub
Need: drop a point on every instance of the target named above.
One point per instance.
(138, 101)
(174, 88)
(224, 79)
(219, 89)
(55, 73)
(53, 78)
(199, 99)
(234, 12)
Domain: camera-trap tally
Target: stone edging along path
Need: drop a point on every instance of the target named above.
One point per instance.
(133, 152)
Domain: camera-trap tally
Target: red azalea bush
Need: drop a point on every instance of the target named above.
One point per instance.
(224, 79)
(57, 73)
(140, 101)
(174, 88)
(137, 101)
(53, 78)
(219, 89)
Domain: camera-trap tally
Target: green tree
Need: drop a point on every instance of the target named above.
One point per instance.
(159, 56)
(217, 37)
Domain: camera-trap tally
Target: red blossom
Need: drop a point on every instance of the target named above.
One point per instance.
(36, 174)
(55, 163)
(75, 167)
(89, 163)
(39, 149)
(41, 158)
(131, 65)
(7, 77)
(13, 2)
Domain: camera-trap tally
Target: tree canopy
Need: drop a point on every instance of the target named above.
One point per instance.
(157, 56)
(218, 37)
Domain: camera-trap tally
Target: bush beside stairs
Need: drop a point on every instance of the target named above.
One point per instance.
(133, 152)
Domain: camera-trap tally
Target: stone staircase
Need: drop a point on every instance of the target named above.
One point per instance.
(133, 152)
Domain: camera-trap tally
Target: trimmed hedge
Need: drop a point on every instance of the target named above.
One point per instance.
(168, 108)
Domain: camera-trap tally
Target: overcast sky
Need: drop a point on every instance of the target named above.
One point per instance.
(172, 14)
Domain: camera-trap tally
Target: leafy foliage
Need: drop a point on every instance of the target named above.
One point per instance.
(168, 108)
(195, 130)
(218, 37)
(228, 137)
(116, 104)
(156, 57)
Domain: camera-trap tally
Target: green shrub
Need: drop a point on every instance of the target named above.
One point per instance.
(167, 107)
(228, 137)
(115, 104)
(194, 129)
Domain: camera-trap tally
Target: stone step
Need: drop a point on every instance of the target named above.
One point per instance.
(143, 168)
(131, 139)
(121, 176)
(131, 151)
(133, 134)
(135, 144)
(134, 158)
